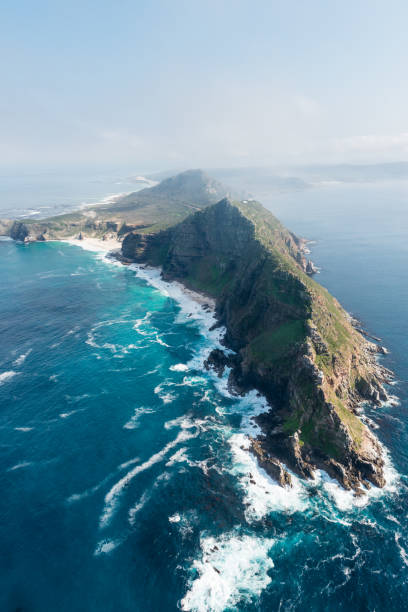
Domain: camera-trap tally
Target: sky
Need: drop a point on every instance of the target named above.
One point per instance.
(214, 83)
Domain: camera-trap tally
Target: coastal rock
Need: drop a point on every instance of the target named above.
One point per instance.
(19, 232)
(273, 467)
(218, 361)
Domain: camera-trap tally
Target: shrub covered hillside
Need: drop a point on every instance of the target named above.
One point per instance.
(294, 341)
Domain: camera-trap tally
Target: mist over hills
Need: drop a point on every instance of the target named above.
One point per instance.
(257, 182)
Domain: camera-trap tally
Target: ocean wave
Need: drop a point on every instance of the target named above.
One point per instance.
(133, 422)
(175, 518)
(179, 367)
(66, 415)
(20, 465)
(6, 376)
(166, 396)
(113, 496)
(146, 496)
(130, 462)
(20, 360)
(181, 456)
(187, 422)
(76, 497)
(232, 569)
(106, 546)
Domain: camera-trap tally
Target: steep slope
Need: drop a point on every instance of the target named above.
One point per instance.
(147, 210)
(293, 340)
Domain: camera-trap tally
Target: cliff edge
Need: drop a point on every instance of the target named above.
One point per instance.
(293, 340)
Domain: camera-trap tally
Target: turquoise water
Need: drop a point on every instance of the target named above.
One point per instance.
(125, 481)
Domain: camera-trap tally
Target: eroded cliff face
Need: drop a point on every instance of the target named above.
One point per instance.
(293, 340)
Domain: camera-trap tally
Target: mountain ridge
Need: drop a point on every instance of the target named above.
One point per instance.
(294, 342)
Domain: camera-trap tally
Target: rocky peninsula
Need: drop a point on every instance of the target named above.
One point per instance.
(291, 339)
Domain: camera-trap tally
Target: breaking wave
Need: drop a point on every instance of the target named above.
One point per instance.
(232, 569)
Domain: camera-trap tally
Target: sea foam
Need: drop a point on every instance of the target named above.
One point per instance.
(6, 376)
(113, 496)
(232, 570)
(20, 360)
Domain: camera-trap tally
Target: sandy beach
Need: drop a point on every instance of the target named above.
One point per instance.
(95, 244)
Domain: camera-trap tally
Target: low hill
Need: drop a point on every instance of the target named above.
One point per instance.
(147, 210)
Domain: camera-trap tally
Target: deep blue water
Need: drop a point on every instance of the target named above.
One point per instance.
(125, 483)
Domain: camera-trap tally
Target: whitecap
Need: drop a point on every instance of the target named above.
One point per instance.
(6, 376)
(175, 518)
(181, 456)
(166, 397)
(20, 360)
(66, 415)
(161, 342)
(186, 422)
(146, 496)
(104, 547)
(179, 367)
(133, 422)
(112, 497)
(24, 429)
(232, 570)
(19, 466)
(130, 462)
(178, 457)
(76, 497)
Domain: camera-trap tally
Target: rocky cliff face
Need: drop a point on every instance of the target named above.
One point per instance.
(293, 340)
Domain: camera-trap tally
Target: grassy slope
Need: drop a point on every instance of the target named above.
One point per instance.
(301, 302)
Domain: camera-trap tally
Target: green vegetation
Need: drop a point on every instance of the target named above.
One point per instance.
(209, 275)
(273, 344)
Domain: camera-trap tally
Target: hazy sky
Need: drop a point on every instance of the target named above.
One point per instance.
(214, 83)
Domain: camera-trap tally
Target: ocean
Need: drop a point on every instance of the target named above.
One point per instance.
(126, 483)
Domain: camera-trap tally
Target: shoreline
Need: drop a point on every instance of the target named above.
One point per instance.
(214, 333)
(95, 245)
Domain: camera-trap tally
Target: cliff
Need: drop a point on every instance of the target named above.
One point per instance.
(293, 340)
